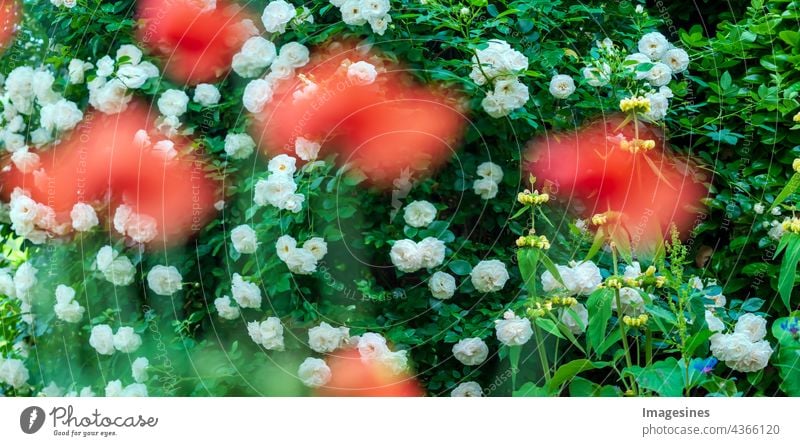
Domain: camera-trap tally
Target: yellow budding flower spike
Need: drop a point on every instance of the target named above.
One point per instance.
(636, 104)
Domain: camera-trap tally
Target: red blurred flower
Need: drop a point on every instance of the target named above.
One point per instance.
(10, 13)
(600, 168)
(99, 162)
(383, 128)
(350, 376)
(197, 44)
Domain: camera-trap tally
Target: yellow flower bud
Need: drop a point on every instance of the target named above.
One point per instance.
(796, 164)
(796, 117)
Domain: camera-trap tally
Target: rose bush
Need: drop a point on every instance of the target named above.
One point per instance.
(288, 270)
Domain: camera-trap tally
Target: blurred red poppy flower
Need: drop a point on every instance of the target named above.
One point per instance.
(10, 14)
(623, 167)
(350, 376)
(383, 123)
(197, 43)
(101, 162)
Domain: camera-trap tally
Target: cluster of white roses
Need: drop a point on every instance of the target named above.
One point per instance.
(127, 71)
(115, 267)
(105, 341)
(362, 12)
(67, 308)
(655, 63)
(20, 287)
(140, 228)
(279, 189)
(302, 260)
(245, 294)
(582, 279)
(25, 91)
(744, 350)
(372, 348)
(488, 184)
(37, 222)
(579, 279)
(257, 55)
(410, 256)
(501, 65)
(268, 334)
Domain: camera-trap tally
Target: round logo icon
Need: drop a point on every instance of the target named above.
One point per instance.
(31, 419)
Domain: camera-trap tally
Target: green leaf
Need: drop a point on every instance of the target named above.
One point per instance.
(549, 326)
(791, 257)
(597, 243)
(530, 390)
(787, 330)
(568, 371)
(460, 267)
(528, 260)
(599, 306)
(663, 377)
(789, 189)
(788, 364)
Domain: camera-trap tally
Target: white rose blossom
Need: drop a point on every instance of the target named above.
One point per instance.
(562, 86)
(419, 214)
(432, 252)
(490, 171)
(102, 339)
(442, 285)
(268, 334)
(246, 294)
(751, 325)
(206, 95)
(139, 369)
(255, 56)
(486, 188)
(489, 276)
(653, 45)
(513, 330)
(164, 280)
(239, 145)
(13, 372)
(361, 73)
(314, 372)
(576, 326)
(406, 256)
(256, 95)
(471, 351)
(84, 217)
(325, 339)
(173, 103)
(126, 340)
(244, 239)
(317, 247)
(305, 149)
(277, 15)
(467, 389)
(225, 309)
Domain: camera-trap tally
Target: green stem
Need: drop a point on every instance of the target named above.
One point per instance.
(542, 353)
(648, 347)
(624, 335)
